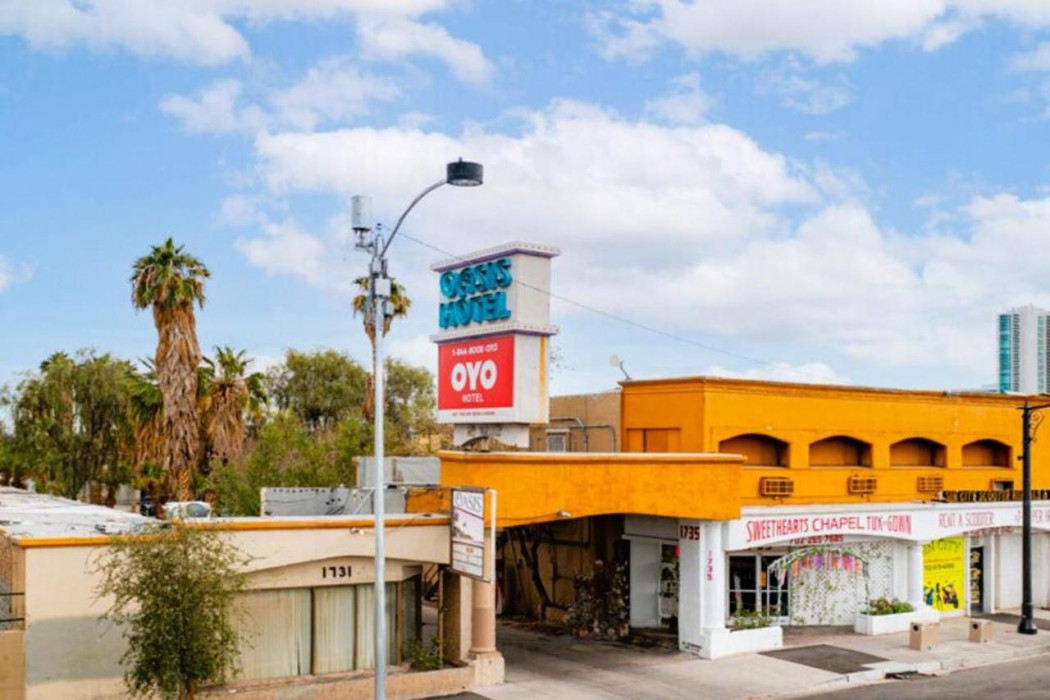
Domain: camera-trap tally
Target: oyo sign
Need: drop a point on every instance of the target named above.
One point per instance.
(475, 377)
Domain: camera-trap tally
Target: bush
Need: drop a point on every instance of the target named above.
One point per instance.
(883, 606)
(750, 620)
(425, 657)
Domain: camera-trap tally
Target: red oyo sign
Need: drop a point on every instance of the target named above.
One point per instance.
(476, 374)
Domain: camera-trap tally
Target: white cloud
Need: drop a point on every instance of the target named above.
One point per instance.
(186, 31)
(698, 229)
(687, 103)
(805, 94)
(827, 31)
(283, 248)
(334, 90)
(215, 109)
(1038, 59)
(396, 38)
(205, 32)
(13, 273)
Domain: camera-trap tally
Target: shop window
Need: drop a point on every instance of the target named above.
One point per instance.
(840, 451)
(753, 589)
(759, 450)
(986, 453)
(916, 452)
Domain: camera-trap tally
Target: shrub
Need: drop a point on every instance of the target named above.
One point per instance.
(425, 657)
(750, 620)
(883, 606)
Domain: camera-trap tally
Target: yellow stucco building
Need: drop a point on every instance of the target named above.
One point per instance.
(793, 501)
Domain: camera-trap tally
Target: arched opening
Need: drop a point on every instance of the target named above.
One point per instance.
(760, 450)
(840, 451)
(917, 452)
(986, 453)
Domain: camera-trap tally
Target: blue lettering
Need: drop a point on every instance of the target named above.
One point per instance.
(503, 276)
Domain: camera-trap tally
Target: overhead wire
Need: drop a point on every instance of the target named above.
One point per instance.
(636, 324)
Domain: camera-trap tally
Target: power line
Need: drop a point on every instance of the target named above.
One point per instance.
(630, 322)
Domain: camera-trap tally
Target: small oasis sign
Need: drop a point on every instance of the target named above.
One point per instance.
(475, 294)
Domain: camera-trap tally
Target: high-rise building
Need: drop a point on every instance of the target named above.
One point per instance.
(1023, 348)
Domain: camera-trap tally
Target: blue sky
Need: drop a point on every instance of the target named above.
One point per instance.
(841, 192)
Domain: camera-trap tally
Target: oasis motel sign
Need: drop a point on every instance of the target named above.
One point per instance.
(493, 346)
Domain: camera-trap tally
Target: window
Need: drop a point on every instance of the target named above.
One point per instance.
(753, 589)
(558, 441)
(330, 629)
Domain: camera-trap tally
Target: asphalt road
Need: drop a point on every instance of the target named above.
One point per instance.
(1028, 679)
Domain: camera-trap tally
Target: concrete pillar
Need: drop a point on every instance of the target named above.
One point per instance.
(690, 584)
(483, 619)
(645, 583)
(715, 594)
(487, 661)
(915, 587)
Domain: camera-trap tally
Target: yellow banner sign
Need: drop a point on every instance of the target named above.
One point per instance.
(944, 574)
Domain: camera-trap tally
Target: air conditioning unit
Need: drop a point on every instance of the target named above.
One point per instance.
(776, 486)
(930, 484)
(863, 484)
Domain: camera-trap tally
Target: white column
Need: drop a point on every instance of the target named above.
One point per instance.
(915, 587)
(645, 583)
(714, 568)
(690, 584)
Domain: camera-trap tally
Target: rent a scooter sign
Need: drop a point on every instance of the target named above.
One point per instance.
(476, 378)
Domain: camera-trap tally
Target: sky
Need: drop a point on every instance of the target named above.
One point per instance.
(799, 190)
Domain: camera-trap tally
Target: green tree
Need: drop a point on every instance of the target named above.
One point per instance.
(173, 590)
(410, 404)
(171, 282)
(285, 453)
(72, 423)
(321, 388)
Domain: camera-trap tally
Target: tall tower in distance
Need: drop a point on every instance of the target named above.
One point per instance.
(1023, 347)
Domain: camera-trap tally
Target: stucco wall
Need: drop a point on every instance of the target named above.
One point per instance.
(71, 653)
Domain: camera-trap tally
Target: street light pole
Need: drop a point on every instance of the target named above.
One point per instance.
(1027, 624)
(460, 174)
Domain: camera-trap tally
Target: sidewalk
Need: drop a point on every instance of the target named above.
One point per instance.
(545, 665)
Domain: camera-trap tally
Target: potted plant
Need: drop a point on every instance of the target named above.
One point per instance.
(885, 616)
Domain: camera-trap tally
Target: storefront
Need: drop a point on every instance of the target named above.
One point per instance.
(820, 565)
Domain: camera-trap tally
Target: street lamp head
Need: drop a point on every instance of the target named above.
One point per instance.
(464, 174)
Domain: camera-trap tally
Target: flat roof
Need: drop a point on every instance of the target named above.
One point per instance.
(30, 514)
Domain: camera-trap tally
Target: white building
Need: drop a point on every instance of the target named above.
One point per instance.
(1023, 349)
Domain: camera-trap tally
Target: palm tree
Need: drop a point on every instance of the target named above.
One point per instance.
(233, 398)
(147, 413)
(399, 306)
(171, 281)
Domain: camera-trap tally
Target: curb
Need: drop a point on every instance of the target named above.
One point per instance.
(938, 667)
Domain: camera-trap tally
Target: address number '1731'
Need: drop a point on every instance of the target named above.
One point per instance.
(335, 572)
